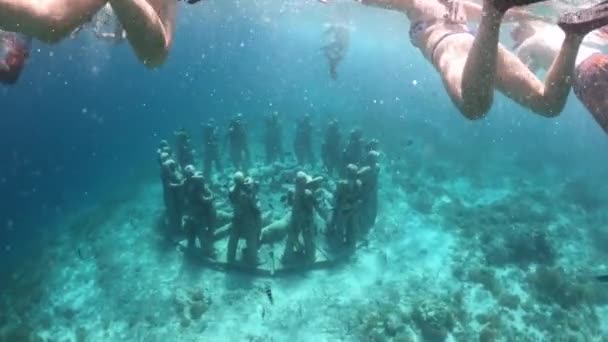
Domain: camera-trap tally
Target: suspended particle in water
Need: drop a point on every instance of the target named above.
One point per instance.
(84, 110)
(242, 44)
(51, 53)
(415, 82)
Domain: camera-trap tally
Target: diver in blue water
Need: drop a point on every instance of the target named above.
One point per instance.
(338, 38)
(302, 144)
(331, 147)
(14, 51)
(183, 148)
(472, 66)
(273, 138)
(302, 220)
(199, 211)
(239, 145)
(211, 148)
(246, 219)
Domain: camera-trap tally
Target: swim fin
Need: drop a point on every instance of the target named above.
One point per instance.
(585, 20)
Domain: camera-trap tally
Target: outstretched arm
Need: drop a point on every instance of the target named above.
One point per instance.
(149, 26)
(47, 20)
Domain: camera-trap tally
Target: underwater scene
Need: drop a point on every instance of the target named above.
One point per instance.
(376, 170)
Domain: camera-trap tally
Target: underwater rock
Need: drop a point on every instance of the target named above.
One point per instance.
(380, 321)
(434, 319)
(422, 201)
(509, 300)
(66, 312)
(197, 295)
(518, 245)
(552, 285)
(487, 334)
(197, 310)
(190, 304)
(20, 332)
(3, 319)
(184, 322)
(81, 334)
(486, 277)
(585, 194)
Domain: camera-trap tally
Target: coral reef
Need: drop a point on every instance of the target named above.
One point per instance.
(190, 305)
(434, 319)
(518, 245)
(551, 285)
(487, 278)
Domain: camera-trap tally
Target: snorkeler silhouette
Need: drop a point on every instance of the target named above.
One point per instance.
(335, 49)
(14, 51)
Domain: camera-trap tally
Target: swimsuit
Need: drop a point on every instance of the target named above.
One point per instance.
(417, 29)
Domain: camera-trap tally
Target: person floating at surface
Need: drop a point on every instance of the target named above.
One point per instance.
(149, 24)
(302, 143)
(246, 219)
(14, 51)
(537, 44)
(338, 38)
(211, 148)
(472, 66)
(302, 220)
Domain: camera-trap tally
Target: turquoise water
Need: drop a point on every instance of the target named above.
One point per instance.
(487, 230)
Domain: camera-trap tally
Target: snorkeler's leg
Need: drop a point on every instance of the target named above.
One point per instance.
(517, 82)
(149, 25)
(550, 98)
(46, 20)
(479, 73)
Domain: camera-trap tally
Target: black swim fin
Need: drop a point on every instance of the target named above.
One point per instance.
(504, 5)
(585, 20)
